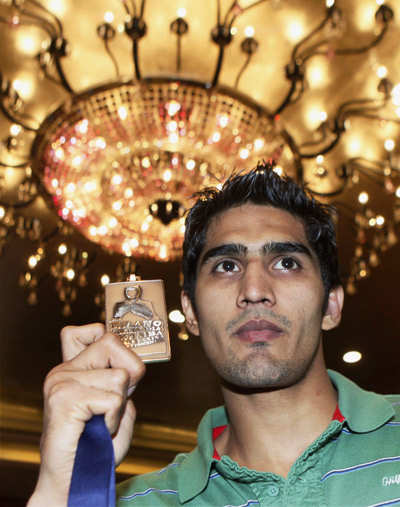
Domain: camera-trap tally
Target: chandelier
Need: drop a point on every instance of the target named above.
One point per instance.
(116, 112)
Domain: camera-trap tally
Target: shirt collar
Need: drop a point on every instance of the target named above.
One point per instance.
(363, 411)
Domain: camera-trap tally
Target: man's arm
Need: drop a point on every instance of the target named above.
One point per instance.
(96, 377)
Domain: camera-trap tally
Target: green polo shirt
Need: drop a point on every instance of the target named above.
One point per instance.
(353, 463)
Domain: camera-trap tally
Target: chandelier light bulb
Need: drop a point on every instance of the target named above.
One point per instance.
(62, 249)
(32, 261)
(108, 17)
(105, 279)
(70, 274)
(2, 212)
(381, 71)
(389, 145)
(249, 31)
(176, 316)
(181, 12)
(363, 197)
(353, 356)
(330, 3)
(15, 129)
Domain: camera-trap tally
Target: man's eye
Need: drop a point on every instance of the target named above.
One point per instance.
(226, 267)
(286, 264)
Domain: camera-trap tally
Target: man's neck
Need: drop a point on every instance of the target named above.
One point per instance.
(268, 431)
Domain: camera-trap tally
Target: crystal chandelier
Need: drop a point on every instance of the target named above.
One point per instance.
(116, 113)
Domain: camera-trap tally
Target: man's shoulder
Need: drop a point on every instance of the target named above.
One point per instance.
(146, 488)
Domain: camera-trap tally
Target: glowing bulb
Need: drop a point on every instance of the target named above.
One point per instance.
(113, 222)
(100, 143)
(57, 6)
(116, 179)
(133, 243)
(145, 227)
(216, 137)
(93, 230)
(181, 12)
(294, 30)
(380, 220)
(90, 186)
(172, 107)
(397, 193)
(77, 160)
(108, 17)
(2, 212)
(330, 3)
(173, 138)
(128, 193)
(15, 129)
(82, 126)
(70, 188)
(62, 249)
(320, 159)
(190, 164)
(117, 205)
(105, 279)
(176, 316)
(163, 252)
(32, 261)
(244, 153)
(258, 144)
(353, 356)
(122, 112)
(167, 175)
(249, 31)
(381, 71)
(24, 87)
(172, 126)
(146, 162)
(70, 274)
(363, 198)
(278, 170)
(389, 145)
(223, 120)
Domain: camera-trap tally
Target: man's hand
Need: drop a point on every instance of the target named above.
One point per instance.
(97, 376)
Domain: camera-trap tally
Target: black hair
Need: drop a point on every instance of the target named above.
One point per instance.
(264, 186)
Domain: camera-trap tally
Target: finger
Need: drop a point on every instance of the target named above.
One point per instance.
(108, 352)
(74, 339)
(78, 403)
(111, 379)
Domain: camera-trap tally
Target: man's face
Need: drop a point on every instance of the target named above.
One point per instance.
(259, 298)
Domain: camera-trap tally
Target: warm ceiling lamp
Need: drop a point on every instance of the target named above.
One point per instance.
(214, 86)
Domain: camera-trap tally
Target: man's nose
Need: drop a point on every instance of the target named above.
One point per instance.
(256, 286)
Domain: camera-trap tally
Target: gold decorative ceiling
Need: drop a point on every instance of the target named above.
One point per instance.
(115, 113)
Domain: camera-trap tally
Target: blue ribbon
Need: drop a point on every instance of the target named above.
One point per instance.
(93, 476)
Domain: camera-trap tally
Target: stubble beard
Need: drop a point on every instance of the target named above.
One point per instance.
(261, 372)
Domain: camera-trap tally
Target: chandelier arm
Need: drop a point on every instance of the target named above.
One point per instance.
(218, 67)
(14, 119)
(113, 59)
(364, 49)
(178, 53)
(312, 51)
(18, 204)
(63, 80)
(288, 99)
(325, 150)
(142, 6)
(339, 190)
(359, 164)
(135, 53)
(228, 12)
(125, 6)
(218, 12)
(313, 32)
(14, 166)
(51, 14)
(44, 23)
(243, 68)
(258, 2)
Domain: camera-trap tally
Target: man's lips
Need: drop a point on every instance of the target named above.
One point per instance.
(258, 331)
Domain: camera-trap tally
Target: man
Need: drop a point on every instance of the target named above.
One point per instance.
(260, 284)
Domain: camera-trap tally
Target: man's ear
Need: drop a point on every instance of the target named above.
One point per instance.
(191, 320)
(333, 312)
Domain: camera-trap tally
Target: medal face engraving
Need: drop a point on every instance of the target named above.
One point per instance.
(136, 313)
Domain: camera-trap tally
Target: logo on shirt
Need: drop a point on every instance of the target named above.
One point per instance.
(389, 480)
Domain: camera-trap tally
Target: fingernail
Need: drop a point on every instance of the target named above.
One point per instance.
(130, 390)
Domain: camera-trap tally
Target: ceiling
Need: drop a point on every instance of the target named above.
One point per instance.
(173, 396)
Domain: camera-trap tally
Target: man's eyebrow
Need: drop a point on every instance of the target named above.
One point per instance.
(229, 249)
(282, 247)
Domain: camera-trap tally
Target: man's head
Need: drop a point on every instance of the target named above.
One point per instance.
(262, 186)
